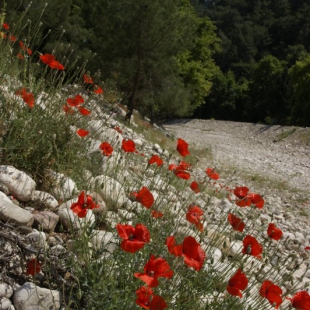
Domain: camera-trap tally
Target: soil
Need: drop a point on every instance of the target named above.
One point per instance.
(273, 159)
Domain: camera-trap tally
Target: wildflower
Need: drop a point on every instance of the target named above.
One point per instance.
(84, 203)
(84, 111)
(118, 129)
(190, 249)
(194, 216)
(97, 90)
(272, 293)
(128, 146)
(29, 51)
(245, 199)
(237, 283)
(300, 301)
(50, 60)
(182, 174)
(33, 267)
(182, 148)
(274, 232)
(307, 248)
(211, 174)
(20, 56)
(154, 269)
(12, 38)
(256, 200)
(236, 223)
(147, 300)
(134, 238)
(172, 167)
(183, 165)
(252, 247)
(75, 101)
(27, 97)
(156, 160)
(156, 214)
(88, 79)
(67, 109)
(195, 187)
(82, 132)
(106, 148)
(144, 196)
(6, 26)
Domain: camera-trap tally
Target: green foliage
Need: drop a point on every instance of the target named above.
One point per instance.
(299, 77)
(268, 88)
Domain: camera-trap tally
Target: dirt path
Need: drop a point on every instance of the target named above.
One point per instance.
(270, 157)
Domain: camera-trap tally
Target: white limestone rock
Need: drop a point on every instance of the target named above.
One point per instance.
(62, 187)
(110, 190)
(5, 290)
(45, 200)
(9, 212)
(18, 182)
(32, 297)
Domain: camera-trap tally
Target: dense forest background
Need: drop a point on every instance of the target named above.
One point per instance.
(240, 60)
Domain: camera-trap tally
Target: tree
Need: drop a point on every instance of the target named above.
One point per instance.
(150, 48)
(267, 89)
(299, 79)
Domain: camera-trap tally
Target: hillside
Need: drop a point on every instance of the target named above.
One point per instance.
(274, 159)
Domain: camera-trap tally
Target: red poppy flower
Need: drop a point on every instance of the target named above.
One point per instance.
(307, 248)
(154, 269)
(195, 187)
(84, 111)
(6, 26)
(252, 247)
(128, 146)
(20, 56)
(67, 109)
(33, 267)
(274, 232)
(134, 238)
(22, 45)
(194, 216)
(147, 300)
(82, 132)
(241, 191)
(157, 214)
(84, 203)
(12, 38)
(156, 160)
(118, 129)
(145, 197)
(237, 283)
(106, 148)
(50, 60)
(190, 249)
(300, 300)
(246, 199)
(182, 174)
(182, 148)
(184, 165)
(172, 167)
(98, 90)
(88, 79)
(27, 97)
(236, 223)
(29, 51)
(211, 174)
(272, 292)
(257, 200)
(75, 101)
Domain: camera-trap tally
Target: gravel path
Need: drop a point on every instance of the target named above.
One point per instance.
(275, 154)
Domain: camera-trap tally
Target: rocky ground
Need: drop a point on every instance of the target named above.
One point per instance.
(273, 159)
